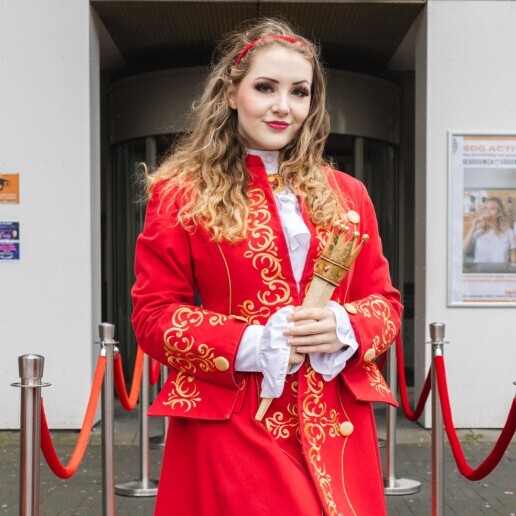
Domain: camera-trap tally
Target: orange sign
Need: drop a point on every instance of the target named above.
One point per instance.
(10, 188)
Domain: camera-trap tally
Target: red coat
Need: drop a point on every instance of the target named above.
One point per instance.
(316, 450)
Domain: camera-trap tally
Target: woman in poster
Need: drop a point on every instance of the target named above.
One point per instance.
(490, 236)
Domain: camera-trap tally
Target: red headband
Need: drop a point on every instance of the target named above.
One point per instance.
(272, 36)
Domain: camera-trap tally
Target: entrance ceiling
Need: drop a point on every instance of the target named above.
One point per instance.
(355, 35)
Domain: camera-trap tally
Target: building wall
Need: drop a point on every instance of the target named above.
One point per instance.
(465, 81)
(50, 302)
(49, 115)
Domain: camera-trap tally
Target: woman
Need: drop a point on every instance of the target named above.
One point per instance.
(490, 235)
(238, 214)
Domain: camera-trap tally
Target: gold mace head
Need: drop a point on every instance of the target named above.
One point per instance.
(341, 251)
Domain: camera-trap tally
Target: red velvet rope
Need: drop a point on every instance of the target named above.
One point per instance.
(154, 371)
(128, 402)
(501, 445)
(409, 414)
(47, 446)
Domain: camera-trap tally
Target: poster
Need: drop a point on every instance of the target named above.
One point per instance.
(9, 241)
(10, 188)
(482, 240)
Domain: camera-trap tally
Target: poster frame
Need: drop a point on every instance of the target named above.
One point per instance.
(456, 203)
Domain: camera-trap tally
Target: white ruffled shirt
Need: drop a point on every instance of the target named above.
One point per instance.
(264, 348)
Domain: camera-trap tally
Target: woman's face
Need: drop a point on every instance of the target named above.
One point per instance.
(491, 210)
(273, 99)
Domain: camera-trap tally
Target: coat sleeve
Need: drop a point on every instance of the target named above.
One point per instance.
(374, 308)
(197, 343)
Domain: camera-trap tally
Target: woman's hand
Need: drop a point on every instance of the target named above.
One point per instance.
(314, 331)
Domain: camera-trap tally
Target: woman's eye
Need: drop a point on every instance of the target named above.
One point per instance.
(263, 87)
(301, 92)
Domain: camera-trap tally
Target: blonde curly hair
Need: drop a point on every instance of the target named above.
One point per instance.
(207, 166)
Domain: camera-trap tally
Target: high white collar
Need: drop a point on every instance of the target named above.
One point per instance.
(269, 158)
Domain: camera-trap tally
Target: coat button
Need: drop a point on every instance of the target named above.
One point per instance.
(351, 309)
(369, 355)
(221, 363)
(346, 428)
(353, 216)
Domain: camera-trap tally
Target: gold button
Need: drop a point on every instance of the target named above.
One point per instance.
(351, 309)
(221, 363)
(370, 355)
(353, 217)
(346, 428)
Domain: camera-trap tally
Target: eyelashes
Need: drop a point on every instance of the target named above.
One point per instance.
(266, 87)
(301, 91)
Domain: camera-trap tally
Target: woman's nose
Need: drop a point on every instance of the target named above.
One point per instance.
(281, 106)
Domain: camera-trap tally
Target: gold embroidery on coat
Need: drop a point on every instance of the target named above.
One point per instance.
(317, 427)
(179, 348)
(281, 425)
(182, 394)
(252, 314)
(263, 251)
(377, 307)
(376, 380)
(230, 288)
(322, 236)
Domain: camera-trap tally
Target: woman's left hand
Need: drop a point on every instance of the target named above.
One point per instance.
(314, 331)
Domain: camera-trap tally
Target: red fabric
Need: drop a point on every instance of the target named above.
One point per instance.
(213, 434)
(272, 36)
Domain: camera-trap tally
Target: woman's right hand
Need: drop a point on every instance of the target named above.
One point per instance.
(478, 222)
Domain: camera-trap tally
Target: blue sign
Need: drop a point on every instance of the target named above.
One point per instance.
(9, 240)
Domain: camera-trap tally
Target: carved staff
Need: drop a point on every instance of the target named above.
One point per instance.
(329, 271)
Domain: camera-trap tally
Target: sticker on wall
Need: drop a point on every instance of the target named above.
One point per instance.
(10, 188)
(9, 240)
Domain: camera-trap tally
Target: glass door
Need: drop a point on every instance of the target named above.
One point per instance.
(375, 164)
(125, 212)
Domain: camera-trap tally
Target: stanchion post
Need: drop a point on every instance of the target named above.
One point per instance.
(31, 371)
(393, 485)
(144, 486)
(437, 341)
(107, 345)
(158, 441)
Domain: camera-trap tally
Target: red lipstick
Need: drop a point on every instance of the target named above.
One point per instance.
(277, 125)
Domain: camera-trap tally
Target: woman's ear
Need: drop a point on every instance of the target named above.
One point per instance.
(231, 94)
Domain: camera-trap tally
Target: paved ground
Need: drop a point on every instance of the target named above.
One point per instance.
(82, 494)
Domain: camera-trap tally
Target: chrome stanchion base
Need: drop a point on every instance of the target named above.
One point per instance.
(401, 486)
(157, 442)
(137, 488)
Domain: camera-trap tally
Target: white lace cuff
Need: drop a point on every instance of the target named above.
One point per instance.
(247, 354)
(274, 354)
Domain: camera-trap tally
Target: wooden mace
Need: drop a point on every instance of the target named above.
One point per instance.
(329, 271)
